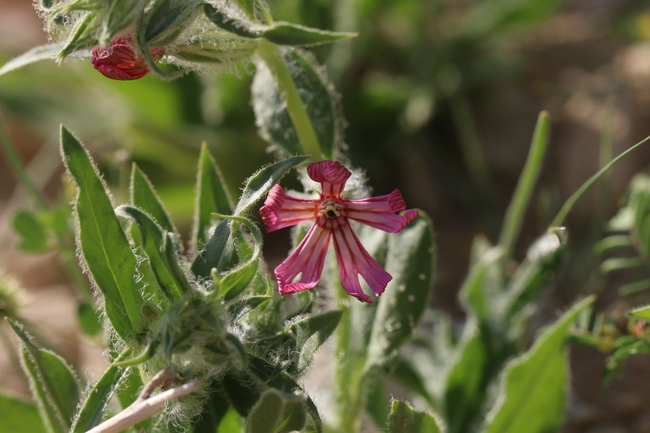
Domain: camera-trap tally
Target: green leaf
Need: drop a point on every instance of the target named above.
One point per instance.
(44, 52)
(237, 280)
(82, 36)
(640, 313)
(465, 381)
(89, 319)
(33, 236)
(273, 118)
(211, 197)
(214, 411)
(154, 243)
(311, 333)
(143, 195)
(534, 386)
(280, 32)
(410, 261)
(120, 14)
(129, 390)
(19, 416)
(91, 411)
(477, 288)
(219, 251)
(283, 33)
(52, 382)
(404, 419)
(166, 19)
(277, 412)
(105, 249)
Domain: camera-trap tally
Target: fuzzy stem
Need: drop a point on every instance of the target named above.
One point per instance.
(270, 54)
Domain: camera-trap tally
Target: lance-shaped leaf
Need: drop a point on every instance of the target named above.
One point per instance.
(640, 313)
(119, 15)
(534, 387)
(410, 261)
(33, 235)
(90, 413)
(166, 19)
(277, 412)
(44, 52)
(219, 252)
(53, 384)
(477, 288)
(279, 32)
(143, 195)
(18, 415)
(311, 333)
(271, 113)
(404, 419)
(107, 254)
(82, 35)
(237, 280)
(211, 197)
(154, 243)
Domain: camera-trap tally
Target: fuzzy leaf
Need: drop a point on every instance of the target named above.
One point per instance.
(404, 419)
(237, 280)
(238, 26)
(475, 290)
(283, 33)
(18, 415)
(211, 197)
(143, 195)
(410, 261)
(166, 19)
(534, 387)
(92, 409)
(81, 37)
(311, 333)
(277, 412)
(219, 252)
(33, 236)
(271, 113)
(52, 382)
(120, 14)
(44, 52)
(640, 313)
(464, 383)
(105, 249)
(154, 241)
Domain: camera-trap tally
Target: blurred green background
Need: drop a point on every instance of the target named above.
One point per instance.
(440, 98)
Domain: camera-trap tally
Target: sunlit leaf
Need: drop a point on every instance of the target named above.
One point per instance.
(404, 419)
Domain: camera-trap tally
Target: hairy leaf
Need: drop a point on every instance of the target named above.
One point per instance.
(277, 412)
(143, 195)
(404, 419)
(44, 52)
(18, 415)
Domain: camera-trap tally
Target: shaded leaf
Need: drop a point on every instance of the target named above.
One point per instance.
(277, 412)
(534, 387)
(154, 242)
(91, 411)
(89, 319)
(36, 54)
(143, 195)
(102, 242)
(271, 113)
(219, 252)
(410, 261)
(52, 382)
(283, 33)
(404, 419)
(33, 236)
(19, 415)
(211, 197)
(166, 19)
(311, 333)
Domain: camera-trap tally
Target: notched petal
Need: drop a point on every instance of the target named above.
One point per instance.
(281, 210)
(329, 172)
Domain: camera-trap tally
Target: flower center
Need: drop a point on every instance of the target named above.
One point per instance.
(330, 209)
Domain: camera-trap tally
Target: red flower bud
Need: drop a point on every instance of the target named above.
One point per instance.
(118, 61)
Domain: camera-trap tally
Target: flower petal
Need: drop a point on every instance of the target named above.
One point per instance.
(379, 212)
(332, 175)
(281, 210)
(354, 260)
(308, 258)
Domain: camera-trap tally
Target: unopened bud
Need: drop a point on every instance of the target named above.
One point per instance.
(118, 61)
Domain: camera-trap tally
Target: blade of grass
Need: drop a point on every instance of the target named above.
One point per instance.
(568, 204)
(524, 190)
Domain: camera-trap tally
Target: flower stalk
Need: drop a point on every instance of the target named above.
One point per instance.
(270, 54)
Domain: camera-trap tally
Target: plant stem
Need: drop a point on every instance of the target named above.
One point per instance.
(270, 54)
(568, 205)
(524, 190)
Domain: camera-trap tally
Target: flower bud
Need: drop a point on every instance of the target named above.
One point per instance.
(118, 61)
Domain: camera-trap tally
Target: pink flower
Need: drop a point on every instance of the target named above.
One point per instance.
(118, 61)
(331, 214)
